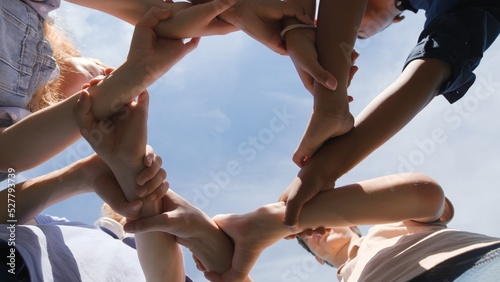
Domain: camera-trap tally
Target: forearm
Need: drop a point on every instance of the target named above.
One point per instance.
(130, 11)
(379, 121)
(387, 199)
(122, 85)
(158, 252)
(338, 23)
(162, 262)
(38, 137)
(31, 197)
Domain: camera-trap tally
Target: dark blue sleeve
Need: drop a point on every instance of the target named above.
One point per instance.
(458, 38)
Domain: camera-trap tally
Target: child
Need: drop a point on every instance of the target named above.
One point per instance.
(450, 47)
(409, 238)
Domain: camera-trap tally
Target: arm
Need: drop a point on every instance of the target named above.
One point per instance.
(196, 21)
(262, 20)
(338, 23)
(381, 200)
(87, 175)
(193, 229)
(122, 146)
(149, 58)
(378, 122)
(130, 11)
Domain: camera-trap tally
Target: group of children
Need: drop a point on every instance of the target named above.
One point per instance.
(409, 240)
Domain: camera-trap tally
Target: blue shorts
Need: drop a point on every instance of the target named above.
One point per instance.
(26, 60)
(458, 34)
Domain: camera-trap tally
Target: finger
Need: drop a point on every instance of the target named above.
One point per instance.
(159, 192)
(299, 158)
(199, 264)
(122, 206)
(149, 157)
(296, 11)
(150, 172)
(132, 209)
(191, 44)
(153, 16)
(208, 11)
(354, 56)
(306, 233)
(293, 208)
(352, 72)
(320, 230)
(320, 75)
(143, 100)
(96, 80)
(108, 71)
(83, 114)
(155, 188)
(147, 224)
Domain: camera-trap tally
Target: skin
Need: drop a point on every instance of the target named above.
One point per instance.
(193, 229)
(78, 71)
(381, 200)
(149, 58)
(331, 116)
(388, 113)
(89, 175)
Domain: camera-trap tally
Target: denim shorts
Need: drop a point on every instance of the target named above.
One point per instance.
(26, 60)
(481, 265)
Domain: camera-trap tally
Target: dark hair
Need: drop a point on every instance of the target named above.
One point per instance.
(304, 245)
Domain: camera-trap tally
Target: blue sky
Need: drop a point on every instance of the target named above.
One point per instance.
(231, 90)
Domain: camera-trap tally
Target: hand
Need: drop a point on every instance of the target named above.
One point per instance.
(261, 19)
(121, 139)
(192, 228)
(302, 189)
(189, 20)
(105, 185)
(300, 44)
(156, 54)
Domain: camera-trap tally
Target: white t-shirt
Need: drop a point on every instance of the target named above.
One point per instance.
(59, 250)
(403, 250)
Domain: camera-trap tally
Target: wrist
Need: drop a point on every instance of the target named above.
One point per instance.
(92, 168)
(231, 15)
(295, 26)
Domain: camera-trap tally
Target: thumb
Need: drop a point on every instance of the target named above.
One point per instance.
(143, 100)
(152, 17)
(148, 224)
(83, 114)
(212, 9)
(292, 210)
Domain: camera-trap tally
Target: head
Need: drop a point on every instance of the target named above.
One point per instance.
(379, 14)
(331, 248)
(74, 70)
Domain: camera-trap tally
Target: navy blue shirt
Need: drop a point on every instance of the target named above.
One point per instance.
(457, 32)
